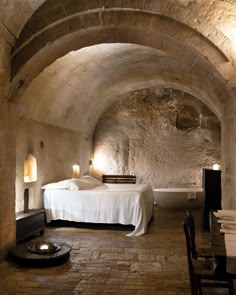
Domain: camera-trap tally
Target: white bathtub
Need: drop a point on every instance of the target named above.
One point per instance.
(179, 198)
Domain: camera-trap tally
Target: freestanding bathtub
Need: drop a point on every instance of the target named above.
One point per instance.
(179, 198)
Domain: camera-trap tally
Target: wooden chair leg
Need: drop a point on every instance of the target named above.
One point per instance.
(195, 291)
(231, 287)
(195, 287)
(200, 290)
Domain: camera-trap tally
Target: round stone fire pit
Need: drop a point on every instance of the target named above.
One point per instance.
(41, 253)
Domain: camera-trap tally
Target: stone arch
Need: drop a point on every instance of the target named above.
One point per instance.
(121, 26)
(143, 71)
(179, 11)
(50, 53)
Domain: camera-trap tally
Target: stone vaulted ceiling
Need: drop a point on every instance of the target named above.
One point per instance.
(70, 60)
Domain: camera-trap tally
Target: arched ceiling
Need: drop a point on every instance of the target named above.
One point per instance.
(76, 90)
(71, 59)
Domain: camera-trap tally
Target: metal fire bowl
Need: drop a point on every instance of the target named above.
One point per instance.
(52, 247)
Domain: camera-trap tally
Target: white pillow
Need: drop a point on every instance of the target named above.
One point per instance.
(90, 179)
(87, 182)
(68, 184)
(74, 184)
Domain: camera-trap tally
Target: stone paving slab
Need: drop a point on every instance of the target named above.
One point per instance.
(109, 262)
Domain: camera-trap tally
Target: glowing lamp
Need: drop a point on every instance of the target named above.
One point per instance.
(76, 171)
(216, 167)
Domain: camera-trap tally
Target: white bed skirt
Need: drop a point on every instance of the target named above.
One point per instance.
(107, 203)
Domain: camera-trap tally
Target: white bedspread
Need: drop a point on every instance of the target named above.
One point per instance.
(106, 203)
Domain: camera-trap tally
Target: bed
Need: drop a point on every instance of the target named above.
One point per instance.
(88, 200)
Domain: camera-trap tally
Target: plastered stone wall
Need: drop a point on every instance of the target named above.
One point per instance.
(229, 155)
(7, 177)
(56, 150)
(164, 137)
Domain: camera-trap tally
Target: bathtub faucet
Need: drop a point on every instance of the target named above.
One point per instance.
(169, 184)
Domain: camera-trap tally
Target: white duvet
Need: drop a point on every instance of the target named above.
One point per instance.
(106, 203)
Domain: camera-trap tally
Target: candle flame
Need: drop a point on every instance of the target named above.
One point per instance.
(43, 247)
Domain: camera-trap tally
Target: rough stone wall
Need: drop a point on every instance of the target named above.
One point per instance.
(228, 178)
(162, 136)
(56, 150)
(7, 177)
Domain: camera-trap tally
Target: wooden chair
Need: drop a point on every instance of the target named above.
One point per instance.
(201, 251)
(201, 273)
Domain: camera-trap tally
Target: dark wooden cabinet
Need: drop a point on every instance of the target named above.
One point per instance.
(212, 187)
(29, 223)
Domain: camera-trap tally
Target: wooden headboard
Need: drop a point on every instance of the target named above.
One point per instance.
(118, 178)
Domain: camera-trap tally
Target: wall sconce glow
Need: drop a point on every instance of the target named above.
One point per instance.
(232, 33)
(100, 162)
(76, 171)
(30, 169)
(229, 30)
(216, 167)
(26, 179)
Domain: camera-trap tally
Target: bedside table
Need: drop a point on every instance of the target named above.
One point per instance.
(29, 223)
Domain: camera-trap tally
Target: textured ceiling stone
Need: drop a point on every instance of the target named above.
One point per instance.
(192, 41)
(14, 14)
(126, 20)
(187, 118)
(76, 90)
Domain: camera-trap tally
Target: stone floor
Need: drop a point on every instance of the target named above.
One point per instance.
(105, 261)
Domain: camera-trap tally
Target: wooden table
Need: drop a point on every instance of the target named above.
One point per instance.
(218, 244)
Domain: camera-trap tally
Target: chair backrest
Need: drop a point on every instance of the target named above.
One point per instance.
(198, 281)
(187, 230)
(190, 224)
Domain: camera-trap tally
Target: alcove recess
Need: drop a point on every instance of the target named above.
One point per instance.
(30, 176)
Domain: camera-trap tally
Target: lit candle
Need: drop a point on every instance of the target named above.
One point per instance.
(43, 247)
